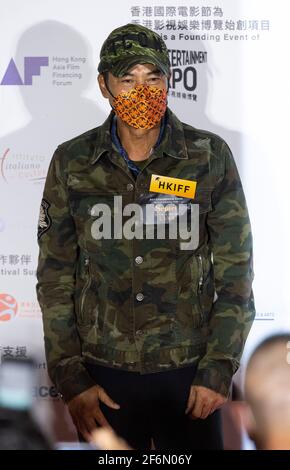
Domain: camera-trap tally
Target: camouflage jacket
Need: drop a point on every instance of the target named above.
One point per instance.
(143, 304)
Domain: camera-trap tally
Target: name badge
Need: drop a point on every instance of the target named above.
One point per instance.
(176, 186)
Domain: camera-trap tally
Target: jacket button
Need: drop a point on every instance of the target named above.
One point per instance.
(138, 260)
(130, 187)
(139, 296)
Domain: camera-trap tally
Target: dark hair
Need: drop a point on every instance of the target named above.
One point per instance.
(270, 341)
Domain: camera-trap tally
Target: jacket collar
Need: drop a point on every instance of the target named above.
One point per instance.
(172, 144)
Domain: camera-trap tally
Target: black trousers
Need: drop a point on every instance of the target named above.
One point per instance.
(153, 406)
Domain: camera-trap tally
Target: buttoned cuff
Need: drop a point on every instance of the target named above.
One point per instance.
(75, 385)
(213, 379)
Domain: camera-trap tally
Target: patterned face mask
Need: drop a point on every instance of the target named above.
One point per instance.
(142, 107)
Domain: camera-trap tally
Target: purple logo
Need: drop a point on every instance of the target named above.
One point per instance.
(32, 67)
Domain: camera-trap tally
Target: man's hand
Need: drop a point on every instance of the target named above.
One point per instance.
(85, 410)
(203, 401)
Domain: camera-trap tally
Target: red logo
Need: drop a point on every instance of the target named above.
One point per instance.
(8, 307)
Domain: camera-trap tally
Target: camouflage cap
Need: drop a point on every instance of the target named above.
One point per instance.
(130, 45)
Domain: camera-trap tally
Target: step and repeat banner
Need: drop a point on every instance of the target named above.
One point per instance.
(230, 75)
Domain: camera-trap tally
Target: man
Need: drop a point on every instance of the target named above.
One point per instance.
(144, 333)
(267, 391)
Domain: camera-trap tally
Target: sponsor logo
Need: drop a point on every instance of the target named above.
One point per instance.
(8, 307)
(18, 167)
(32, 68)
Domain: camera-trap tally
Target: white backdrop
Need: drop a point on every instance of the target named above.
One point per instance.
(241, 69)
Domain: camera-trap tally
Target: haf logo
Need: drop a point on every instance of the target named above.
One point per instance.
(176, 186)
(8, 307)
(32, 66)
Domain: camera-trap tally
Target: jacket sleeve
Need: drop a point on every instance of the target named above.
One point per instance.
(233, 312)
(55, 287)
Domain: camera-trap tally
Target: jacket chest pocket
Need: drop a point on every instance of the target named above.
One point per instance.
(174, 219)
(95, 215)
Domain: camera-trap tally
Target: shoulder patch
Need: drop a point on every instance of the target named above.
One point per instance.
(44, 221)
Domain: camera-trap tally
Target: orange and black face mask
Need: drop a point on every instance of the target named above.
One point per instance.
(142, 107)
